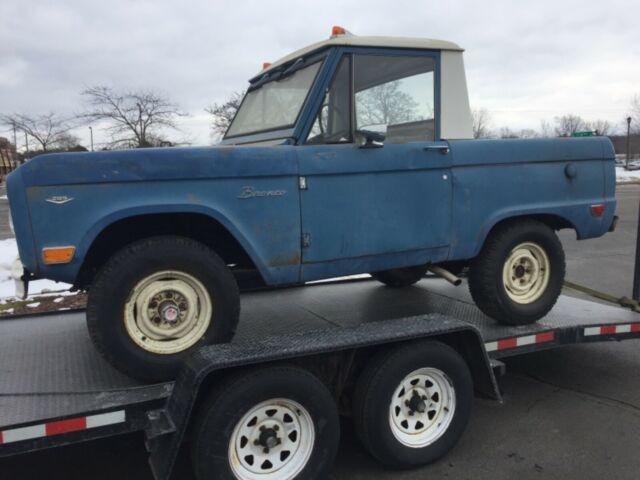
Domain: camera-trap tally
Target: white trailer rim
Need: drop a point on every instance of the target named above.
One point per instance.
(272, 441)
(167, 312)
(526, 273)
(422, 407)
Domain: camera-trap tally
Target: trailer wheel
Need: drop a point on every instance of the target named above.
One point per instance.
(412, 403)
(273, 423)
(517, 277)
(400, 277)
(156, 301)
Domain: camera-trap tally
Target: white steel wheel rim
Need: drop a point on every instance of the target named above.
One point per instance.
(273, 440)
(526, 273)
(168, 312)
(422, 407)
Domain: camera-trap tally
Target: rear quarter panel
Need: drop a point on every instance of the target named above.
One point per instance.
(498, 179)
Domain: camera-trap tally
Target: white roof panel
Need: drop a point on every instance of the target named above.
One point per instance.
(357, 41)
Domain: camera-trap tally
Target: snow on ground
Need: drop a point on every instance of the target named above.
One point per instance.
(627, 176)
(8, 253)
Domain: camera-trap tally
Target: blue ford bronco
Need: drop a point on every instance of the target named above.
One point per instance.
(352, 155)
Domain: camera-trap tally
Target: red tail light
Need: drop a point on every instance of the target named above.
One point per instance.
(598, 210)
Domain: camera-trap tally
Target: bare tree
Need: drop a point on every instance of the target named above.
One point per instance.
(134, 118)
(385, 104)
(546, 130)
(600, 127)
(224, 113)
(528, 133)
(506, 132)
(567, 125)
(634, 113)
(48, 130)
(481, 119)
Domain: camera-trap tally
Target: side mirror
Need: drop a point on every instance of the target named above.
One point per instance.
(372, 139)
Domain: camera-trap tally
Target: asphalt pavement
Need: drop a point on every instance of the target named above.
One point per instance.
(568, 413)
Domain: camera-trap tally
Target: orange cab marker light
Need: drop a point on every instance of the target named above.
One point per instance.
(337, 30)
(266, 65)
(55, 255)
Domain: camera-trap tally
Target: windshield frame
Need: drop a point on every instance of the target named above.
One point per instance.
(285, 130)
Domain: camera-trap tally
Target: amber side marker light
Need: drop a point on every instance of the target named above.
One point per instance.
(55, 255)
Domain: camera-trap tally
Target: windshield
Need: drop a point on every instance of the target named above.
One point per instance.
(275, 104)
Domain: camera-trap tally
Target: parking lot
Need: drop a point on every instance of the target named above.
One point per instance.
(568, 413)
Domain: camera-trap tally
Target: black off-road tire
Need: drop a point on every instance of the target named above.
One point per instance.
(115, 281)
(485, 273)
(400, 277)
(235, 396)
(375, 389)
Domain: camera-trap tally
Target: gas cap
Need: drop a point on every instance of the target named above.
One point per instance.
(570, 170)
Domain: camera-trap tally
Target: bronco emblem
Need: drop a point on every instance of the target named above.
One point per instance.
(250, 192)
(61, 200)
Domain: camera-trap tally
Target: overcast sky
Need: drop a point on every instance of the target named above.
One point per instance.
(526, 60)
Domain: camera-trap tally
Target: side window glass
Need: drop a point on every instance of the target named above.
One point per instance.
(394, 96)
(333, 123)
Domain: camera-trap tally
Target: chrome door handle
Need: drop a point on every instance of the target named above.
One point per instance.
(444, 149)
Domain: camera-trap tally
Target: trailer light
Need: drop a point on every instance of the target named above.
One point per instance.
(598, 210)
(57, 255)
(266, 65)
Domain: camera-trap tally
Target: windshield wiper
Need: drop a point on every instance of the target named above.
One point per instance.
(295, 66)
(278, 74)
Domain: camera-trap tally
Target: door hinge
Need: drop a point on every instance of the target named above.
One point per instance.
(302, 183)
(306, 240)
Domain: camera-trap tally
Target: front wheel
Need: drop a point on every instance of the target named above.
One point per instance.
(517, 277)
(156, 301)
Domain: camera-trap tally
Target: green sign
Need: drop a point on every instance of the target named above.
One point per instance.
(582, 134)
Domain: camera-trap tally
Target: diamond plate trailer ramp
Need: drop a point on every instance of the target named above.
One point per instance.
(56, 390)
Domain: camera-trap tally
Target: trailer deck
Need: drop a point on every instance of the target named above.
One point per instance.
(53, 382)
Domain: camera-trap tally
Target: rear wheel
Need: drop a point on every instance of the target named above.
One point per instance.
(156, 301)
(273, 423)
(400, 277)
(517, 277)
(412, 403)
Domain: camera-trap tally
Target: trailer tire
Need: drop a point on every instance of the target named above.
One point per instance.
(400, 277)
(249, 411)
(513, 249)
(384, 399)
(158, 300)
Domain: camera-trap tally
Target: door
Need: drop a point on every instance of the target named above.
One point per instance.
(378, 184)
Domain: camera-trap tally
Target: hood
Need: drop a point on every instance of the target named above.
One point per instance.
(156, 164)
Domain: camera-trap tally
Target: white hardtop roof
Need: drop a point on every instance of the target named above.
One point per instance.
(357, 41)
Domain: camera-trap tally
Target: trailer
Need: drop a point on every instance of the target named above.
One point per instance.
(404, 364)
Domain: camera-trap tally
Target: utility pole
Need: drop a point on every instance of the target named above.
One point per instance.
(628, 135)
(15, 139)
(26, 142)
(91, 133)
